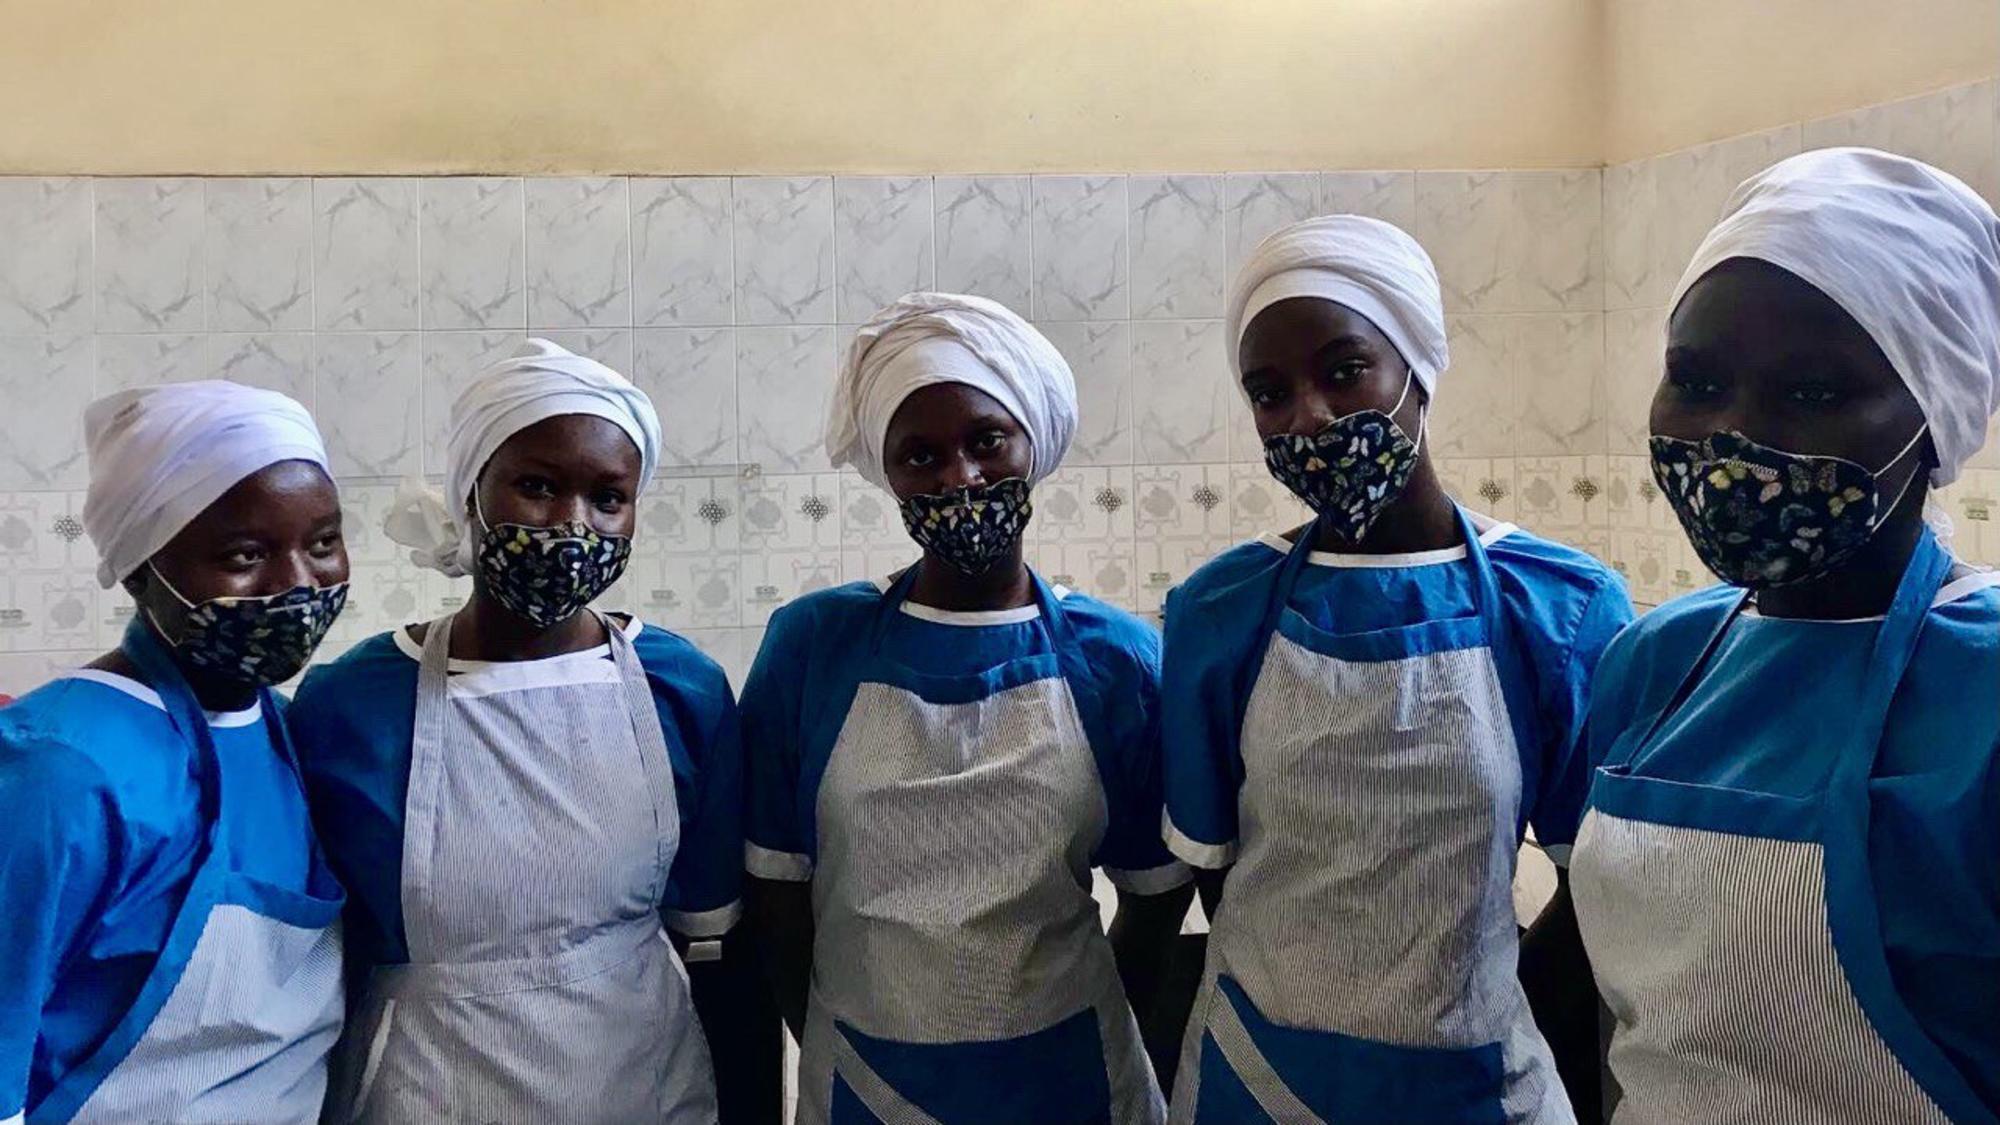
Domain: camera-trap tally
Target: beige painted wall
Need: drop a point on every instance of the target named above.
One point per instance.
(1681, 72)
(318, 86)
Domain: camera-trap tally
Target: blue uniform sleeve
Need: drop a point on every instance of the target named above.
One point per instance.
(704, 886)
(1564, 723)
(1201, 759)
(774, 843)
(59, 842)
(1132, 854)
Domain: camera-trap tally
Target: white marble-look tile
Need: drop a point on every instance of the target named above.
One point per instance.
(1514, 241)
(1628, 491)
(611, 347)
(1951, 129)
(690, 373)
(1181, 391)
(473, 252)
(260, 257)
(362, 510)
(450, 360)
(784, 377)
(1080, 248)
(365, 254)
(44, 531)
(683, 257)
(579, 252)
(1477, 412)
(45, 274)
(1181, 502)
(46, 382)
(1259, 504)
(1693, 185)
(883, 241)
(1084, 505)
(1177, 246)
(42, 610)
(1388, 196)
(1163, 564)
(369, 402)
(1100, 357)
(1988, 456)
(688, 591)
(125, 361)
(1633, 227)
(149, 268)
(983, 237)
(784, 250)
(1634, 350)
(1549, 502)
(1256, 204)
(275, 361)
(1556, 364)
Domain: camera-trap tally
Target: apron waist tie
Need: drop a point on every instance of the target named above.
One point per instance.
(605, 949)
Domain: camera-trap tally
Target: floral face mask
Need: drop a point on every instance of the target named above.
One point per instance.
(548, 574)
(253, 640)
(970, 528)
(1762, 517)
(1351, 471)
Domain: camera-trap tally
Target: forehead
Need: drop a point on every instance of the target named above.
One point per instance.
(1306, 324)
(1751, 316)
(945, 407)
(275, 499)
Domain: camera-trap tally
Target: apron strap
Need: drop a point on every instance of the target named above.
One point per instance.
(1282, 585)
(1502, 643)
(881, 1098)
(654, 757)
(1253, 1069)
(420, 803)
(150, 656)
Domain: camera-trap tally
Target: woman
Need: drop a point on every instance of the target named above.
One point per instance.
(518, 794)
(937, 762)
(1789, 877)
(1361, 718)
(167, 946)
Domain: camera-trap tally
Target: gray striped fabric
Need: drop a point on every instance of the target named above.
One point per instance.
(244, 1035)
(952, 892)
(1713, 953)
(540, 826)
(1373, 892)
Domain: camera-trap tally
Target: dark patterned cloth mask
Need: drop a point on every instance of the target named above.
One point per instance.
(548, 574)
(252, 640)
(1351, 471)
(1762, 517)
(970, 528)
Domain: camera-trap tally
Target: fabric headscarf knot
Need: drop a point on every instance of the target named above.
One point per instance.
(1908, 251)
(159, 456)
(543, 381)
(1365, 264)
(929, 338)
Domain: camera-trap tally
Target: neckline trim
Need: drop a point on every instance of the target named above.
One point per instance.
(1277, 542)
(1957, 589)
(409, 647)
(221, 720)
(971, 618)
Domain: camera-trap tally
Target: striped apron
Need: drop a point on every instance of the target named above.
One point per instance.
(1735, 935)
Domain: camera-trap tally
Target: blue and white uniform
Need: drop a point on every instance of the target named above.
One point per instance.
(1362, 741)
(169, 939)
(1789, 876)
(947, 781)
(513, 835)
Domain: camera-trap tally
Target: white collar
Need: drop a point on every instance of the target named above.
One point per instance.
(1493, 534)
(221, 720)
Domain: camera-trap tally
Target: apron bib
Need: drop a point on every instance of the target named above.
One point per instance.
(1362, 966)
(960, 973)
(539, 830)
(237, 1017)
(1735, 933)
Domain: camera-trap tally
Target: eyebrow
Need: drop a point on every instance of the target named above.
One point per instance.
(1347, 340)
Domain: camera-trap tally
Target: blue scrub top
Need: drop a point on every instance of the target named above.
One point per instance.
(100, 831)
(1777, 689)
(1564, 607)
(352, 722)
(799, 691)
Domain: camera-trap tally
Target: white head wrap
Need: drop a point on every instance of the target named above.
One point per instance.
(543, 381)
(159, 456)
(1909, 252)
(1365, 264)
(928, 338)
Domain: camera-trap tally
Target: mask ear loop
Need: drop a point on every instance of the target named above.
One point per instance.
(1423, 409)
(158, 626)
(1875, 521)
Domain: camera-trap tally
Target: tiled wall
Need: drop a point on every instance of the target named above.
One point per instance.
(1655, 213)
(730, 301)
